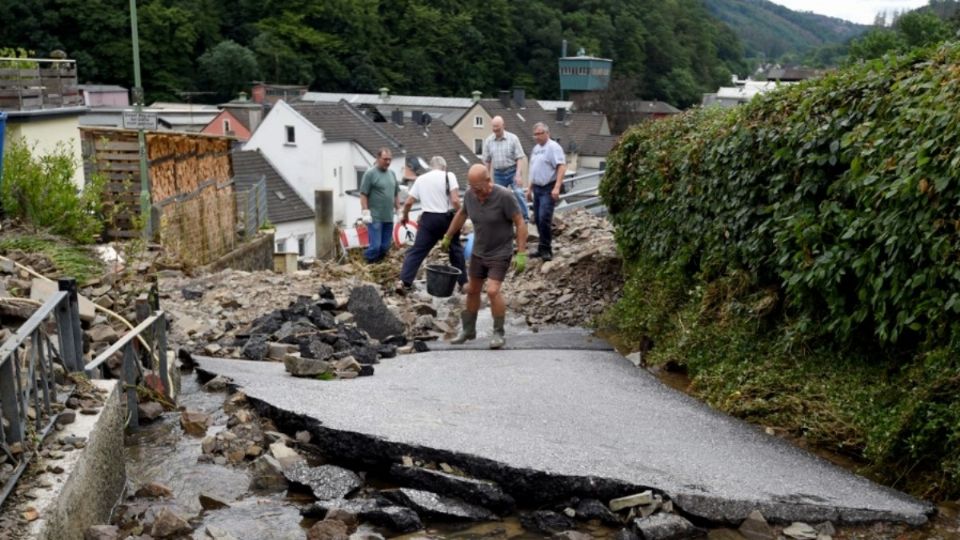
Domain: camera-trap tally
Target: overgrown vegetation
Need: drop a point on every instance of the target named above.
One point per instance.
(799, 256)
(70, 260)
(39, 189)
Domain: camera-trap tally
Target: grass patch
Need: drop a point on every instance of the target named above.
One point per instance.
(899, 417)
(70, 260)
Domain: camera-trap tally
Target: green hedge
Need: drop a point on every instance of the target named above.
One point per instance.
(842, 192)
(800, 255)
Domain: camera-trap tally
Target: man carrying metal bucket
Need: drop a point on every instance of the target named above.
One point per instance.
(496, 219)
(439, 196)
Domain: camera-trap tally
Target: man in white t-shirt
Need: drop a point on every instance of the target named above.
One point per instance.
(439, 196)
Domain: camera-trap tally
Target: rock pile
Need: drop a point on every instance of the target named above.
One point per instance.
(584, 277)
(313, 338)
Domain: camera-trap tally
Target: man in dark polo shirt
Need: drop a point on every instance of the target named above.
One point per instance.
(495, 216)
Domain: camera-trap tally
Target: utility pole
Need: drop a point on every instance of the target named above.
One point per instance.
(141, 140)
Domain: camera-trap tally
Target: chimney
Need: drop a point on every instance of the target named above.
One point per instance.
(563, 49)
(518, 96)
(417, 117)
(476, 95)
(505, 98)
(384, 93)
(242, 97)
(397, 117)
(561, 114)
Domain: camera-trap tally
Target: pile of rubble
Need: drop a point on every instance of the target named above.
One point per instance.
(584, 277)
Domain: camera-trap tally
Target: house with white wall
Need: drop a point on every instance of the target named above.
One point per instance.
(44, 108)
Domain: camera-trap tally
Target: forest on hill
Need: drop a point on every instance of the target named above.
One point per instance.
(769, 31)
(670, 50)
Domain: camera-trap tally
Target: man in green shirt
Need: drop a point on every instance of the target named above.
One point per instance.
(378, 200)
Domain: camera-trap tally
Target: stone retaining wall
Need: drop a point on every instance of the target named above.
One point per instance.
(254, 255)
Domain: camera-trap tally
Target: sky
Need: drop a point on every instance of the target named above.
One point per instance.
(859, 11)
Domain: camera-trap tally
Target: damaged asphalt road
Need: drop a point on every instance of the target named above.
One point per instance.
(546, 424)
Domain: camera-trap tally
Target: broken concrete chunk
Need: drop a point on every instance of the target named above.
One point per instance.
(629, 501)
(327, 482)
(664, 527)
(484, 493)
(305, 367)
(430, 504)
(800, 531)
(397, 518)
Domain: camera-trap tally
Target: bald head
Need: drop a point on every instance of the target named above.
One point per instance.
(497, 125)
(477, 174)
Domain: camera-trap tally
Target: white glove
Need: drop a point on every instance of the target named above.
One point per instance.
(366, 217)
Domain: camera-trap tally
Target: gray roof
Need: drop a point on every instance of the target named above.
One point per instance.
(390, 100)
(344, 122)
(597, 145)
(571, 132)
(283, 203)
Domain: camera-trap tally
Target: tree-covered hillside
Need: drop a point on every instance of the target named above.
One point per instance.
(770, 31)
(672, 49)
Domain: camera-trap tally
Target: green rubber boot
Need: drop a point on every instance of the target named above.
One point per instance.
(497, 340)
(468, 330)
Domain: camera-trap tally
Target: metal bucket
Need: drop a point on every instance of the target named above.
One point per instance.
(441, 279)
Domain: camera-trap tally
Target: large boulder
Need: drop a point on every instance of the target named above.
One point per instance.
(372, 315)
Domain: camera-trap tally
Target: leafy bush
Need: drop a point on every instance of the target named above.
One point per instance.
(841, 192)
(39, 189)
(815, 232)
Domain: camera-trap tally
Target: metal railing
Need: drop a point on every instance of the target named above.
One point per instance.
(28, 391)
(143, 347)
(27, 386)
(38, 83)
(583, 193)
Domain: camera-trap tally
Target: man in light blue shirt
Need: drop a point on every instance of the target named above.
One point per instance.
(548, 164)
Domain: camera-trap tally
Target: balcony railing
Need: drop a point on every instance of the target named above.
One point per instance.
(29, 84)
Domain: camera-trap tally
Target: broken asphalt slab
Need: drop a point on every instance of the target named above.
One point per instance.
(547, 424)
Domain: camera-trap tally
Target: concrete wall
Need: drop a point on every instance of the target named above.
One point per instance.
(95, 476)
(257, 254)
(45, 135)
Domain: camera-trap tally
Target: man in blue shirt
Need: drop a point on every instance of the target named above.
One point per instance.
(548, 164)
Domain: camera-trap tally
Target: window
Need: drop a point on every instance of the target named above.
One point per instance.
(478, 146)
(278, 246)
(478, 121)
(291, 135)
(360, 177)
(301, 246)
(226, 126)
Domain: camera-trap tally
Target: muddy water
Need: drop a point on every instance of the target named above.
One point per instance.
(162, 452)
